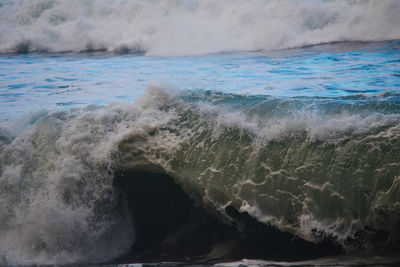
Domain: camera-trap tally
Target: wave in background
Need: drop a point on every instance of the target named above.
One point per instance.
(314, 167)
(175, 27)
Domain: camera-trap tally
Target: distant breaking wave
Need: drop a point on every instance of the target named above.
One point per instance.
(318, 168)
(177, 28)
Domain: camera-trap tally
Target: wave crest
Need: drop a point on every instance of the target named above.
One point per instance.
(307, 177)
(164, 27)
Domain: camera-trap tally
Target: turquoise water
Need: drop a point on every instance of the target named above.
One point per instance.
(304, 141)
(30, 82)
(177, 132)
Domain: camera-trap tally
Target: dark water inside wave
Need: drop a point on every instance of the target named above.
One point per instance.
(257, 177)
(123, 141)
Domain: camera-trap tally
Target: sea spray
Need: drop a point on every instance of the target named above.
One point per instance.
(163, 27)
(327, 168)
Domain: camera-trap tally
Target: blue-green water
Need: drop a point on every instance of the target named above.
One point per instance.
(256, 133)
(305, 141)
(35, 81)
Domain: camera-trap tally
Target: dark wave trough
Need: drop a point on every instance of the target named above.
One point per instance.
(202, 177)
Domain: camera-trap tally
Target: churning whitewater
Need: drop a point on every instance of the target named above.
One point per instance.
(199, 131)
(316, 167)
(176, 27)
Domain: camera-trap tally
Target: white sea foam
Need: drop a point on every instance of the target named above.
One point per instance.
(57, 201)
(328, 175)
(373, 258)
(194, 27)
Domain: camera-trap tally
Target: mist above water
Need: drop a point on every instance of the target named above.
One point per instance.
(191, 27)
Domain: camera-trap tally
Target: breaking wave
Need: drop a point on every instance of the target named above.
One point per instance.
(318, 168)
(176, 27)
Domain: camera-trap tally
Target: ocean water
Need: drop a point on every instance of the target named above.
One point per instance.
(178, 133)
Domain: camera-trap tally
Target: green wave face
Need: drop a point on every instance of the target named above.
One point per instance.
(314, 167)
